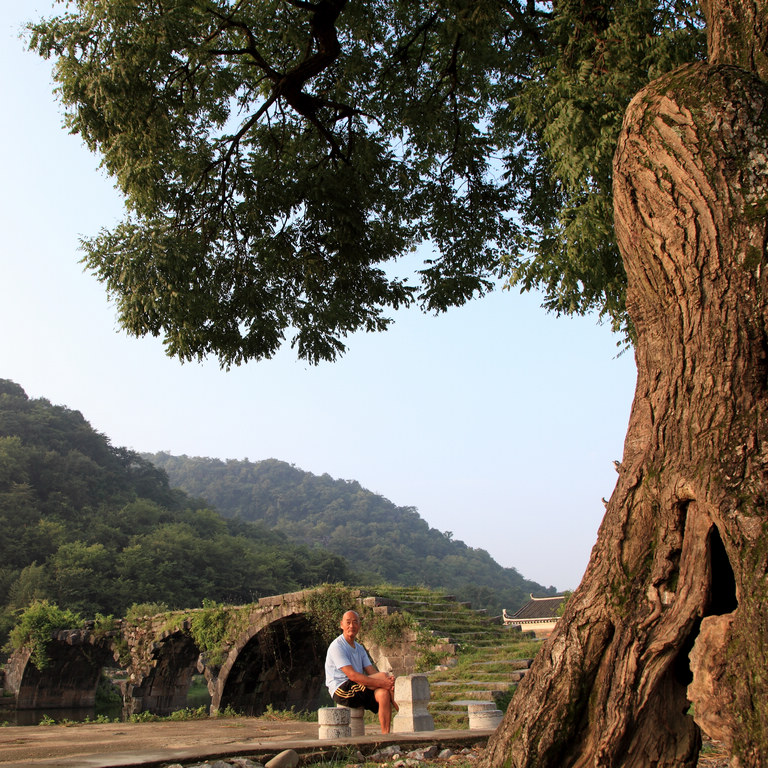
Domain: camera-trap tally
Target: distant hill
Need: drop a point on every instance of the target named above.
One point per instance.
(380, 541)
(95, 529)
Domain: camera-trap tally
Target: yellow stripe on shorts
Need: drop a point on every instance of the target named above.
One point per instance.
(353, 689)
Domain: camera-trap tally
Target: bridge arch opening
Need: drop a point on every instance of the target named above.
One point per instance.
(282, 665)
(164, 689)
(68, 682)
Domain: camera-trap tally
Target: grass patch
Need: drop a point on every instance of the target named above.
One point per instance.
(291, 714)
(188, 713)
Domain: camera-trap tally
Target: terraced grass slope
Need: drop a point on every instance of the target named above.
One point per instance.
(491, 658)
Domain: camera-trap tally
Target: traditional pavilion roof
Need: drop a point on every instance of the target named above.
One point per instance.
(540, 608)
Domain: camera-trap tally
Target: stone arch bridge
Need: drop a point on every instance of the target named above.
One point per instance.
(272, 654)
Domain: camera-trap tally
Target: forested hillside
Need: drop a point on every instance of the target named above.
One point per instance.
(96, 528)
(381, 541)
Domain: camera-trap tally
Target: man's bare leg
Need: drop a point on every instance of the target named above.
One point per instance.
(385, 709)
(386, 699)
(391, 692)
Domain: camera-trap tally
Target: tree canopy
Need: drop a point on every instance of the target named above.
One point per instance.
(280, 160)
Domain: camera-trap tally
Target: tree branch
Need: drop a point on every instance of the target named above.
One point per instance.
(323, 49)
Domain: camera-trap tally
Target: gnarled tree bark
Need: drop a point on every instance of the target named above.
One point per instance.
(673, 607)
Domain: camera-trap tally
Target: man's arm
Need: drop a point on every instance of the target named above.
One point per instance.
(369, 677)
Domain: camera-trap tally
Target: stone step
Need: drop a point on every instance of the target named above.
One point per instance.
(459, 704)
(506, 680)
(491, 685)
(512, 663)
(478, 695)
(459, 712)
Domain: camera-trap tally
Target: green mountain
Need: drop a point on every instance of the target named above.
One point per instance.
(381, 541)
(96, 529)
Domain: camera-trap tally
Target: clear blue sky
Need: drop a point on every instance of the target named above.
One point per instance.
(497, 421)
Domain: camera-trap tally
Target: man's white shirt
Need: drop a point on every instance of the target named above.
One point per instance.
(342, 654)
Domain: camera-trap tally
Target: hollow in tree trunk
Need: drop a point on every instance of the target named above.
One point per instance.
(673, 607)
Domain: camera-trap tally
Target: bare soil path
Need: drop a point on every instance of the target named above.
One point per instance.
(120, 745)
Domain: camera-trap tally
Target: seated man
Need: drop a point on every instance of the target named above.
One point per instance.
(351, 678)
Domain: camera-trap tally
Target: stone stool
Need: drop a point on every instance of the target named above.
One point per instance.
(412, 696)
(484, 716)
(356, 719)
(334, 723)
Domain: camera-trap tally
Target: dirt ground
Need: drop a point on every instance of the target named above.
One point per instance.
(96, 745)
(120, 745)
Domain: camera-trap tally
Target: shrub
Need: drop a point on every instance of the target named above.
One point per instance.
(189, 713)
(209, 628)
(47, 720)
(139, 610)
(144, 717)
(36, 626)
(228, 711)
(389, 628)
(326, 606)
(270, 713)
(103, 624)
(561, 608)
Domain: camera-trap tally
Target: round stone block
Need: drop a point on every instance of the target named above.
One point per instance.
(333, 716)
(334, 723)
(485, 720)
(356, 720)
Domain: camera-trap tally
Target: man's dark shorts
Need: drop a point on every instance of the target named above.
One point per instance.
(356, 695)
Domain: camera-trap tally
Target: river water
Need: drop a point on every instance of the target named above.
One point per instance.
(198, 696)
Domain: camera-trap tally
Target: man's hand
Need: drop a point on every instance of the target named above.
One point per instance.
(371, 678)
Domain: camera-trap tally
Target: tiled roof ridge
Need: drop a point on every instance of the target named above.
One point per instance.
(540, 607)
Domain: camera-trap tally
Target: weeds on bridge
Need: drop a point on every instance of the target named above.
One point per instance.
(36, 625)
(325, 607)
(209, 628)
(139, 610)
(388, 628)
(327, 604)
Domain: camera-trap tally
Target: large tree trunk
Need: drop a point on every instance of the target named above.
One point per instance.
(673, 607)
